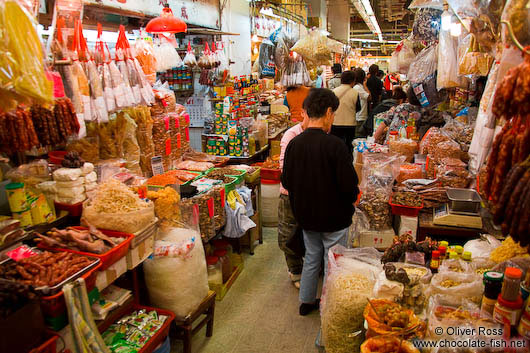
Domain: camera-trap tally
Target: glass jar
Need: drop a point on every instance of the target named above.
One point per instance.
(492, 288)
(524, 326)
(226, 265)
(512, 284)
(215, 273)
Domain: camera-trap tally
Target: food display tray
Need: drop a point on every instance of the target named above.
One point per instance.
(84, 272)
(465, 201)
(108, 258)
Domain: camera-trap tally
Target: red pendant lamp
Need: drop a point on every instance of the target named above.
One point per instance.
(166, 23)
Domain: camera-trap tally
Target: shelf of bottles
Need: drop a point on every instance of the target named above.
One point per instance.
(179, 79)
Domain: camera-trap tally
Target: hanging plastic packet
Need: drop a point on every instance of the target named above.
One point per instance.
(204, 60)
(104, 72)
(99, 108)
(145, 54)
(166, 55)
(146, 90)
(122, 66)
(189, 59)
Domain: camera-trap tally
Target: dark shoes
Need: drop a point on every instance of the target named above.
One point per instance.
(308, 308)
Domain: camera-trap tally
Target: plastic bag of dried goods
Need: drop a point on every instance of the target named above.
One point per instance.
(349, 283)
(177, 279)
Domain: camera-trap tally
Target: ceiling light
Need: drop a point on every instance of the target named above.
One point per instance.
(324, 32)
(367, 7)
(255, 38)
(456, 29)
(166, 22)
(268, 12)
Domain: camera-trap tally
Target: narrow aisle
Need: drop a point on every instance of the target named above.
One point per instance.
(260, 312)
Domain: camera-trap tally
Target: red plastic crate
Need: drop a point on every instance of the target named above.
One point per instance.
(405, 210)
(108, 258)
(49, 346)
(74, 210)
(268, 173)
(54, 305)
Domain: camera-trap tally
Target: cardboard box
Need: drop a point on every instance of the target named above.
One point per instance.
(380, 240)
(137, 255)
(105, 278)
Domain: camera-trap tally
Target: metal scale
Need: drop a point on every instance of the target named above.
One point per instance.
(463, 210)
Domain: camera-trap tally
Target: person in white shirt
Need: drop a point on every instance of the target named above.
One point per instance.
(345, 117)
(286, 222)
(363, 91)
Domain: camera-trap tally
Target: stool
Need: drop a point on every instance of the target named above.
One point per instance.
(185, 330)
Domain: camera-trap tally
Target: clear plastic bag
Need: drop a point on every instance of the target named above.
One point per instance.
(424, 65)
(380, 170)
(145, 54)
(314, 49)
(447, 76)
(427, 23)
(189, 59)
(405, 56)
(349, 284)
(455, 265)
(457, 284)
(518, 14)
(266, 59)
(449, 311)
(178, 283)
(482, 247)
(409, 171)
(166, 56)
(472, 61)
(99, 111)
(404, 147)
(21, 60)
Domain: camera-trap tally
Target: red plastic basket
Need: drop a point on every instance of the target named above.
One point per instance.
(49, 346)
(268, 173)
(405, 210)
(74, 210)
(108, 258)
(54, 305)
(159, 336)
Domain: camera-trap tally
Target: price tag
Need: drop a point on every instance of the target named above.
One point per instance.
(177, 123)
(222, 197)
(168, 147)
(187, 134)
(178, 141)
(166, 122)
(211, 207)
(187, 117)
(157, 166)
(22, 252)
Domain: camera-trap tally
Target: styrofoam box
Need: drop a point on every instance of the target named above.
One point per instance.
(137, 255)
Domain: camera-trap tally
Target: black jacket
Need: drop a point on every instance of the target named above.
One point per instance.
(380, 108)
(323, 186)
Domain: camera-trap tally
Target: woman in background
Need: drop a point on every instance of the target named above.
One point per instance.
(294, 99)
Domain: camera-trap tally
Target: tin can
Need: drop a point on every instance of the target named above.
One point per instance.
(24, 217)
(16, 196)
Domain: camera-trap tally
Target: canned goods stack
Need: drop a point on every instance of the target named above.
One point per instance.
(178, 78)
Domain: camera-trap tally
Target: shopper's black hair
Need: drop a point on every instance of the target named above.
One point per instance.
(373, 70)
(347, 77)
(412, 97)
(291, 88)
(398, 93)
(360, 75)
(336, 69)
(318, 101)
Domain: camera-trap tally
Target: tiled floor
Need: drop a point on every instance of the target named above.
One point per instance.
(260, 312)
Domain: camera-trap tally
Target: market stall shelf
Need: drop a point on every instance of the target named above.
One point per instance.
(184, 328)
(222, 290)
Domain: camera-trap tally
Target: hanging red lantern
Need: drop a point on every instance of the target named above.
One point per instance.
(166, 23)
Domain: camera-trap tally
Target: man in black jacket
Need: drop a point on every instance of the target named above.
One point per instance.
(323, 187)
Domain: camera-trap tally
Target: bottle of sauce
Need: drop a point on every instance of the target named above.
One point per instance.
(459, 250)
(511, 287)
(443, 253)
(453, 255)
(492, 288)
(435, 261)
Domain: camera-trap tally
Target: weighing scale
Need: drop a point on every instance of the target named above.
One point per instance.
(445, 216)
